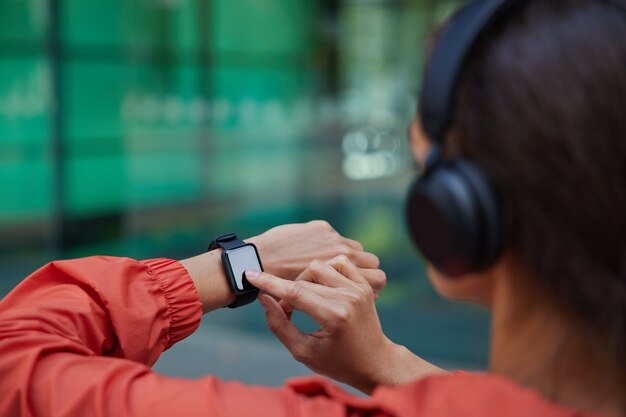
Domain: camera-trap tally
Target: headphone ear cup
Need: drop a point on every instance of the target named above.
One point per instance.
(491, 233)
(453, 218)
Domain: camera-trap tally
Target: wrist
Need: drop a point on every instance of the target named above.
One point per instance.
(264, 253)
(407, 367)
(397, 366)
(208, 276)
(382, 368)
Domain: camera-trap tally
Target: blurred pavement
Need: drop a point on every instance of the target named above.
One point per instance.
(231, 355)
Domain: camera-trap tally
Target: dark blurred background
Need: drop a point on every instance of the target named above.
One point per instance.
(143, 128)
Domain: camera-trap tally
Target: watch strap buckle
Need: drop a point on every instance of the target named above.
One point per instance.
(227, 241)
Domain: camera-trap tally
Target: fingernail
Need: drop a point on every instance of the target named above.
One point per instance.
(252, 274)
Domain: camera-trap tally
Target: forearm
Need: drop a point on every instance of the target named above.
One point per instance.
(110, 306)
(208, 276)
(103, 313)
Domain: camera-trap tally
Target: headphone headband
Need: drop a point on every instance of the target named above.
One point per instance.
(448, 58)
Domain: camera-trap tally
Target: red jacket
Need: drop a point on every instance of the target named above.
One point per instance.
(77, 338)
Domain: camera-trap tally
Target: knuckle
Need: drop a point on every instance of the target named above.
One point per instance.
(342, 260)
(316, 267)
(294, 290)
(354, 299)
(361, 295)
(346, 252)
(322, 224)
(342, 315)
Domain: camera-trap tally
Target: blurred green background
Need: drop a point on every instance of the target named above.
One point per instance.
(143, 128)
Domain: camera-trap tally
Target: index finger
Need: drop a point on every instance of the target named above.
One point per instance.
(299, 294)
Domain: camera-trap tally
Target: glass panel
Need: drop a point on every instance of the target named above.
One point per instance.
(25, 165)
(132, 136)
(267, 27)
(23, 21)
(137, 24)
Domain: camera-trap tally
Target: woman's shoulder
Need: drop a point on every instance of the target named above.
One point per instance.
(469, 394)
(447, 395)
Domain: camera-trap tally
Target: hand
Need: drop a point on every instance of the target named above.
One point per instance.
(287, 250)
(350, 345)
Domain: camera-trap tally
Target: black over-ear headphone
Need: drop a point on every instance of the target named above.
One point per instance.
(452, 211)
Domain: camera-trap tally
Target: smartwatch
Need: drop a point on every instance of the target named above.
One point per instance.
(237, 258)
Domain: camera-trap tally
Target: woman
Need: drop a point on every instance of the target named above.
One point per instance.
(539, 109)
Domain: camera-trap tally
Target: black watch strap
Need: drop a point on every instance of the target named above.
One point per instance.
(227, 242)
(243, 299)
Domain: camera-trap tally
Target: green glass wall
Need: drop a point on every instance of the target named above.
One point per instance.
(25, 160)
(142, 128)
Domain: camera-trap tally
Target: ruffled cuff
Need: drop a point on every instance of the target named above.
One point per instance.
(183, 304)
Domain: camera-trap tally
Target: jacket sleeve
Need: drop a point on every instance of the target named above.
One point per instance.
(77, 338)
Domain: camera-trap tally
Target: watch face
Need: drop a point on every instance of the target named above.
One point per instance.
(240, 260)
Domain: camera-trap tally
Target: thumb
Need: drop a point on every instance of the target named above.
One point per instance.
(279, 324)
